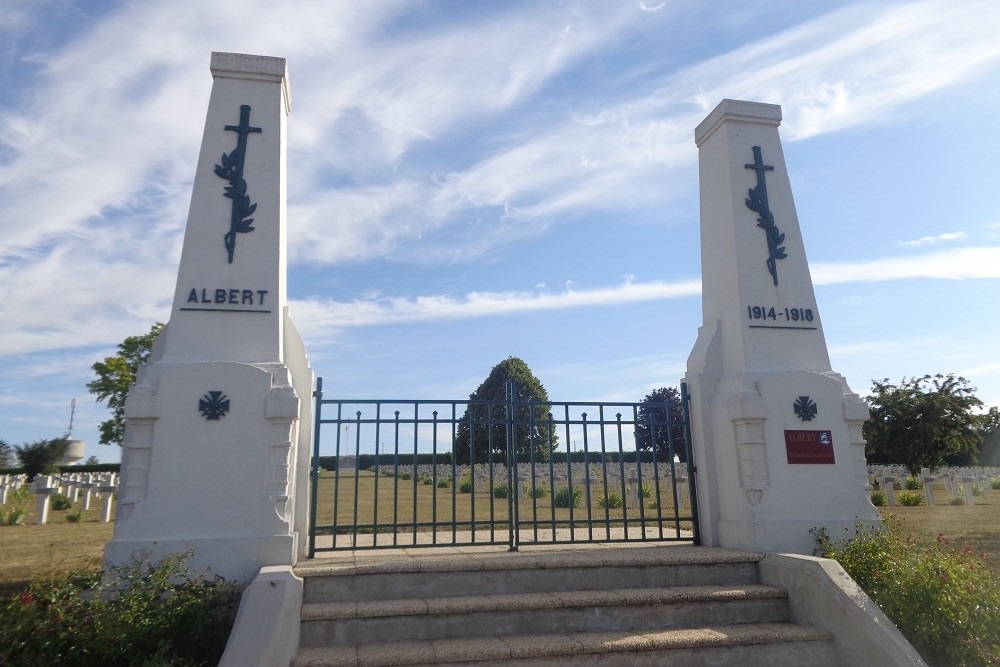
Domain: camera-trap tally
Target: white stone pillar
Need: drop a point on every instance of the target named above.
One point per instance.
(217, 438)
(776, 432)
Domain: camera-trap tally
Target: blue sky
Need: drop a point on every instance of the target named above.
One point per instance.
(472, 180)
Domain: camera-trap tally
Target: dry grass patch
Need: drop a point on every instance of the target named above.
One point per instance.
(30, 552)
(977, 526)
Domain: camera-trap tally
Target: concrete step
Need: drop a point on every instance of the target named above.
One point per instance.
(744, 644)
(428, 574)
(634, 605)
(363, 622)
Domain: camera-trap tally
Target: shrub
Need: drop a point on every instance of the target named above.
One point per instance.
(945, 601)
(610, 500)
(427, 481)
(653, 504)
(563, 497)
(405, 475)
(913, 484)
(995, 483)
(878, 499)
(501, 490)
(956, 502)
(465, 486)
(143, 614)
(909, 499)
(444, 483)
(58, 501)
(75, 516)
(977, 490)
(16, 509)
(532, 491)
(646, 491)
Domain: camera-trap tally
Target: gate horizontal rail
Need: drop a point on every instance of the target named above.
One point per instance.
(412, 473)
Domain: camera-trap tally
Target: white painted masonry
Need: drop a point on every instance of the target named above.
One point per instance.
(761, 347)
(218, 425)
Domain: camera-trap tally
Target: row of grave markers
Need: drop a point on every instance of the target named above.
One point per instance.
(78, 487)
(485, 477)
(958, 482)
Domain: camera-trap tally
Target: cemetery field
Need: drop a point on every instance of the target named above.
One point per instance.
(977, 526)
(405, 502)
(30, 552)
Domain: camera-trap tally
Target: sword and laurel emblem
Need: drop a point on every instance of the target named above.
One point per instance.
(231, 169)
(757, 202)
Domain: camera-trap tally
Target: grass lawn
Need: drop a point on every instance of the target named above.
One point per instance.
(29, 551)
(977, 526)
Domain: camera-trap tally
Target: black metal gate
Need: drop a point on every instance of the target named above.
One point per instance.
(411, 473)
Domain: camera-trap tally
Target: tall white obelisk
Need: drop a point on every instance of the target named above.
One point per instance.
(217, 437)
(777, 434)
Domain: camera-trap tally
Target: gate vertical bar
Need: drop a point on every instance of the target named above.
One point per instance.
(314, 468)
(689, 449)
(512, 499)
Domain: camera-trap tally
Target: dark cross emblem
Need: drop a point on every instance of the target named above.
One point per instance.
(805, 408)
(214, 405)
(231, 169)
(757, 201)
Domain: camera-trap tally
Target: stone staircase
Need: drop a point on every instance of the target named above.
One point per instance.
(594, 604)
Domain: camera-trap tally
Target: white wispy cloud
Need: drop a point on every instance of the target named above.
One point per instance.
(377, 310)
(956, 264)
(933, 240)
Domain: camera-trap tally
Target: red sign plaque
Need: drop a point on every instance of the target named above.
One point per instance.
(809, 446)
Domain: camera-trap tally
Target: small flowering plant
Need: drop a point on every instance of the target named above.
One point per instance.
(946, 601)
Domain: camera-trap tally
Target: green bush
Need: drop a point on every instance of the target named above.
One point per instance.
(465, 486)
(75, 516)
(646, 491)
(563, 497)
(532, 491)
(444, 483)
(58, 501)
(977, 490)
(16, 509)
(501, 490)
(913, 484)
(405, 475)
(909, 499)
(956, 502)
(878, 499)
(945, 601)
(610, 500)
(143, 614)
(995, 483)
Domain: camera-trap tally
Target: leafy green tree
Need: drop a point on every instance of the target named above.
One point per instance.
(483, 427)
(922, 421)
(661, 424)
(7, 456)
(989, 455)
(40, 457)
(115, 375)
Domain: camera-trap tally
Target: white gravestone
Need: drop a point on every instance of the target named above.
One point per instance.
(776, 433)
(218, 423)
